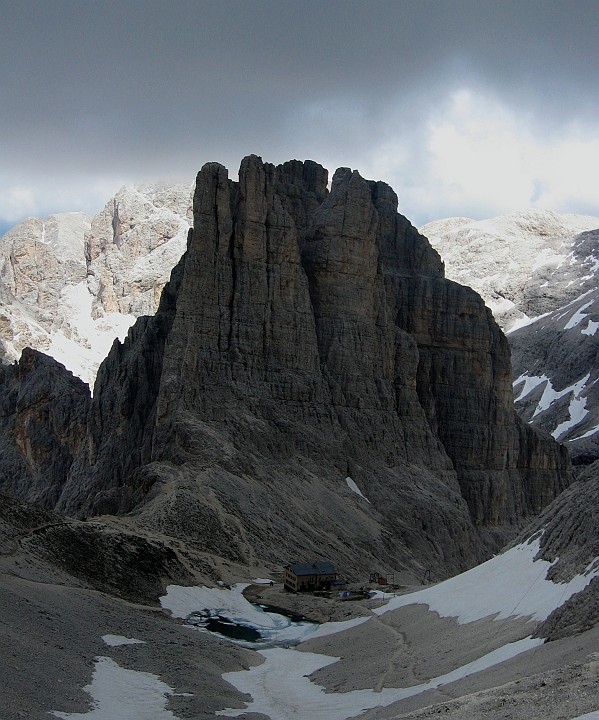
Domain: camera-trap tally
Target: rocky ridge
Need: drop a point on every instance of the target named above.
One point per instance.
(307, 336)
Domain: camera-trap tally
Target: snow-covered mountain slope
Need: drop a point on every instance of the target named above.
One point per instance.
(515, 637)
(38, 260)
(415, 643)
(71, 284)
(556, 359)
(539, 274)
(523, 264)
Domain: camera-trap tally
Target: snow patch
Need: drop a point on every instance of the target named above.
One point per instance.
(591, 328)
(578, 316)
(117, 640)
(509, 585)
(124, 694)
(578, 412)
(550, 395)
(354, 488)
(530, 383)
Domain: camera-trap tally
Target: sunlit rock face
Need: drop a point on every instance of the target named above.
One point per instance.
(132, 246)
(38, 259)
(71, 284)
(308, 335)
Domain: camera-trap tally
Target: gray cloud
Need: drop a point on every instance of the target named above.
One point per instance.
(136, 90)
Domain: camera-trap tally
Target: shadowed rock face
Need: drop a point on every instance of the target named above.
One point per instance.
(43, 412)
(307, 336)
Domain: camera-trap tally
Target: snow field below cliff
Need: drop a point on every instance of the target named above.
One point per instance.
(83, 351)
(511, 585)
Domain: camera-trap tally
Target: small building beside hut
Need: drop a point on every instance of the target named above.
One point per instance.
(310, 576)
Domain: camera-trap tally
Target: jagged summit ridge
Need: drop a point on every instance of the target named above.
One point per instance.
(307, 336)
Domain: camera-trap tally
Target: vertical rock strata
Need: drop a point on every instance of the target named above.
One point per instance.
(306, 336)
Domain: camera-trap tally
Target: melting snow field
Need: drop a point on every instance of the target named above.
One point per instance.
(231, 604)
(281, 689)
(511, 585)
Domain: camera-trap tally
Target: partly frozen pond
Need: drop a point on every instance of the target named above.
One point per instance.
(228, 614)
(278, 627)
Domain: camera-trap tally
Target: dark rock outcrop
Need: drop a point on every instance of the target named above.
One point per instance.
(107, 557)
(43, 415)
(308, 336)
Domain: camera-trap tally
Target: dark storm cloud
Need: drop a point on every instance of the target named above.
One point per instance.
(153, 88)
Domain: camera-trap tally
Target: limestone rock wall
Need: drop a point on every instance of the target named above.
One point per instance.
(37, 260)
(308, 336)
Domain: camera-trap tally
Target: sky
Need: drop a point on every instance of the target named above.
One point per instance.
(466, 108)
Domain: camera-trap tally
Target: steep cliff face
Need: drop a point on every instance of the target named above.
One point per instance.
(308, 336)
